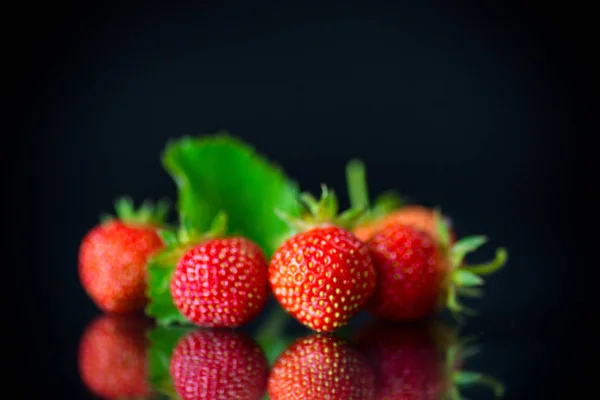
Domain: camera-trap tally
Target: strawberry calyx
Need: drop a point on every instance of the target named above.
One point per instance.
(358, 193)
(464, 279)
(163, 264)
(148, 214)
(322, 212)
(177, 242)
(457, 378)
(187, 234)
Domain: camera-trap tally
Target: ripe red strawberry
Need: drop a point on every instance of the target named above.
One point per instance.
(419, 361)
(321, 367)
(221, 282)
(416, 276)
(323, 275)
(218, 365)
(113, 257)
(419, 270)
(411, 270)
(112, 357)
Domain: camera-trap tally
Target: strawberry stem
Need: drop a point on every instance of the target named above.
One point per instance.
(356, 181)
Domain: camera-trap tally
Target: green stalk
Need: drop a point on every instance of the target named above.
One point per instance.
(356, 181)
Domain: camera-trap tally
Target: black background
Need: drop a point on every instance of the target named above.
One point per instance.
(475, 108)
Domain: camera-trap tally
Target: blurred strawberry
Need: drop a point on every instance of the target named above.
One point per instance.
(113, 256)
(419, 361)
(419, 217)
(216, 364)
(420, 263)
(112, 357)
(321, 367)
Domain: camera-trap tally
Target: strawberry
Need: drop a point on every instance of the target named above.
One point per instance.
(321, 367)
(218, 365)
(112, 356)
(219, 281)
(322, 275)
(419, 269)
(411, 270)
(419, 361)
(420, 217)
(113, 256)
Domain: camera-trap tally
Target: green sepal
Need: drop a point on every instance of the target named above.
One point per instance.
(462, 277)
(443, 230)
(464, 246)
(149, 213)
(162, 342)
(162, 266)
(160, 271)
(456, 355)
(323, 211)
(470, 378)
(464, 280)
(489, 267)
(472, 292)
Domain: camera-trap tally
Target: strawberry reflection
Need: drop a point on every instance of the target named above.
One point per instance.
(112, 357)
(321, 367)
(218, 364)
(419, 361)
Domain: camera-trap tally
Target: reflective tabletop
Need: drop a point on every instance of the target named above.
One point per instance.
(276, 358)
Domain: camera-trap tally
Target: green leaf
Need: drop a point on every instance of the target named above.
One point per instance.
(462, 277)
(162, 342)
(224, 187)
(169, 238)
(221, 173)
(464, 246)
(160, 271)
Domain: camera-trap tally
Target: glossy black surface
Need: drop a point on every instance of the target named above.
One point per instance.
(404, 359)
(123, 357)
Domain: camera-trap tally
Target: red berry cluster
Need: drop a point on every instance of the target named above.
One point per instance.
(400, 263)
